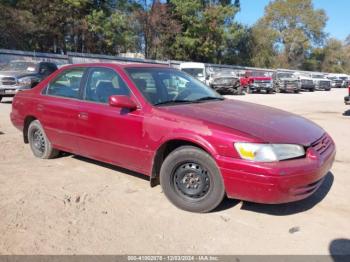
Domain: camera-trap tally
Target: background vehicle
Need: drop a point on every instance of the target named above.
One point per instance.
(256, 81)
(225, 81)
(21, 75)
(285, 82)
(321, 82)
(199, 145)
(336, 81)
(347, 98)
(197, 70)
(305, 81)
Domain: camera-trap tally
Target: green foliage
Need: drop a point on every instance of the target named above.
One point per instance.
(292, 28)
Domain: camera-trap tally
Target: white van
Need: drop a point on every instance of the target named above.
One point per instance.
(196, 70)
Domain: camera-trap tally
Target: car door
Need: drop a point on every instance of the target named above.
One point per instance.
(59, 109)
(111, 134)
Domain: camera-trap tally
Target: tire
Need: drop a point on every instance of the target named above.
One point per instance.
(39, 143)
(312, 90)
(191, 180)
(296, 91)
(0, 98)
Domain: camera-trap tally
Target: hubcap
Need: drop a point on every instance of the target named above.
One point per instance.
(38, 140)
(191, 180)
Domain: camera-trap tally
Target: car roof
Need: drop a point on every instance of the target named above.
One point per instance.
(118, 65)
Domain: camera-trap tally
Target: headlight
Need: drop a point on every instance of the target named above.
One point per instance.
(25, 81)
(268, 152)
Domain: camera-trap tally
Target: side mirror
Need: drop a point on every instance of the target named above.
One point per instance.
(122, 102)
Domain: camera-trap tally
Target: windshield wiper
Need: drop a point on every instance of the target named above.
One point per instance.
(172, 102)
(206, 98)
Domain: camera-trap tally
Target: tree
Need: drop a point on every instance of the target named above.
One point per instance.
(205, 26)
(158, 29)
(294, 27)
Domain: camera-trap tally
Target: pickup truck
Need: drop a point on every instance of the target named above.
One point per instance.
(285, 82)
(321, 82)
(225, 81)
(21, 75)
(255, 81)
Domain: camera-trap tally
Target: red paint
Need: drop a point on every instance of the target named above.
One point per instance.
(248, 78)
(130, 138)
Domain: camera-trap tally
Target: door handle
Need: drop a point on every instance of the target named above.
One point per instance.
(83, 116)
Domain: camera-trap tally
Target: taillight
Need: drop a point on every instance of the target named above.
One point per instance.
(349, 89)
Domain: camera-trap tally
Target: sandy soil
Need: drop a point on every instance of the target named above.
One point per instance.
(72, 205)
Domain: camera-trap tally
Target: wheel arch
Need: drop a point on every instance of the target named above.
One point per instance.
(28, 119)
(169, 146)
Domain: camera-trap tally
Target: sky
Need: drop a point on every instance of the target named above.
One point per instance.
(338, 12)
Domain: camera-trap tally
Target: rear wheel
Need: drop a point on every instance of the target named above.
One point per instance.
(39, 143)
(191, 180)
(0, 98)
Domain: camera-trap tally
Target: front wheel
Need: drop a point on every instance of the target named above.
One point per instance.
(191, 180)
(39, 143)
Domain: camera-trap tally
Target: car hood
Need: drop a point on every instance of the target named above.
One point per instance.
(268, 124)
(261, 78)
(305, 78)
(321, 79)
(288, 79)
(215, 76)
(14, 73)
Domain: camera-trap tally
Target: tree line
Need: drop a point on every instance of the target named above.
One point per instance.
(289, 35)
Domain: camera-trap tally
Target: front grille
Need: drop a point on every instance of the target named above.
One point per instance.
(290, 82)
(307, 82)
(224, 81)
(8, 81)
(323, 144)
(262, 81)
(325, 83)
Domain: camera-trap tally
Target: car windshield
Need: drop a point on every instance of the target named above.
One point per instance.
(260, 74)
(285, 75)
(318, 76)
(20, 66)
(343, 78)
(166, 86)
(196, 72)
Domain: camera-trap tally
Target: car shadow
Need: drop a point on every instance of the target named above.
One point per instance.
(276, 210)
(340, 250)
(227, 203)
(294, 207)
(346, 113)
(6, 102)
(109, 166)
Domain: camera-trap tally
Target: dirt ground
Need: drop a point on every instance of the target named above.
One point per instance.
(73, 205)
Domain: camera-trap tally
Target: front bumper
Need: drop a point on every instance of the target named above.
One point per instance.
(307, 87)
(261, 87)
(347, 100)
(289, 87)
(274, 183)
(9, 91)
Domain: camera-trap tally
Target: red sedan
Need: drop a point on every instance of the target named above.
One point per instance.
(163, 123)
